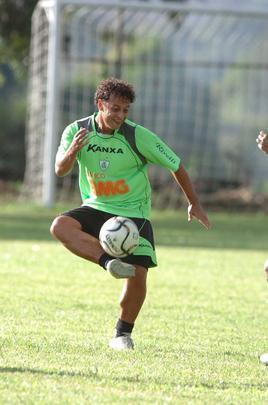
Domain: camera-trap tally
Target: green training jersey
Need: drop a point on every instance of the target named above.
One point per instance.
(113, 174)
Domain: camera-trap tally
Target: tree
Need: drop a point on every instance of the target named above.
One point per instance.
(15, 33)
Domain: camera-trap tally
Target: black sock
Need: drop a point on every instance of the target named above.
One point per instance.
(123, 327)
(104, 259)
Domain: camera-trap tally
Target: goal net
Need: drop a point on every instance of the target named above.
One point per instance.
(201, 78)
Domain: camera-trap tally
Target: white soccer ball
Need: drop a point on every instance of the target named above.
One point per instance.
(264, 358)
(119, 236)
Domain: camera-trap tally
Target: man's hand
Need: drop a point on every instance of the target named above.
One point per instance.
(195, 210)
(262, 141)
(79, 141)
(64, 163)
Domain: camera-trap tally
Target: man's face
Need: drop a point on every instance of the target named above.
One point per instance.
(114, 111)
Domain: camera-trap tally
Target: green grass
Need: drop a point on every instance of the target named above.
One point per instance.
(198, 337)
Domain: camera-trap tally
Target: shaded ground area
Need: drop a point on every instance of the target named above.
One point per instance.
(229, 230)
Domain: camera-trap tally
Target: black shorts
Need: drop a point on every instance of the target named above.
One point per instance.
(91, 221)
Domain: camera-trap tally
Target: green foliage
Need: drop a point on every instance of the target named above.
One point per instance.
(15, 32)
(12, 118)
(198, 337)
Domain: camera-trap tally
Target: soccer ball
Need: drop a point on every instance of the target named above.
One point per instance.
(119, 236)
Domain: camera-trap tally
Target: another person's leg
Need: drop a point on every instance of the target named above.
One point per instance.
(266, 269)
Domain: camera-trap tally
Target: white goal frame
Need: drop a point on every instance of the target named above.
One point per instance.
(53, 11)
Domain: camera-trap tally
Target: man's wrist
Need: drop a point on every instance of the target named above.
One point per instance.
(71, 154)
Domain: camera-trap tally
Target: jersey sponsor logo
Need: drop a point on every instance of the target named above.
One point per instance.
(104, 164)
(94, 175)
(164, 152)
(108, 188)
(108, 149)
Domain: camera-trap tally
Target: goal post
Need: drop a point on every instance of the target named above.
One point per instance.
(52, 111)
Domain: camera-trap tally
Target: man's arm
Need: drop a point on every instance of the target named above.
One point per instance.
(194, 208)
(64, 163)
(262, 141)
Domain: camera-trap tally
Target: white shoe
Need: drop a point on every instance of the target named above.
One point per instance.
(120, 269)
(121, 343)
(265, 268)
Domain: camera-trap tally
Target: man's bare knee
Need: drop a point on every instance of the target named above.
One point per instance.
(62, 225)
(55, 228)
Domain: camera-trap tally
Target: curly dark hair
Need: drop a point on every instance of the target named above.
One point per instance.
(114, 86)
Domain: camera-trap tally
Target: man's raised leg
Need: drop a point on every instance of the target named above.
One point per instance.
(69, 232)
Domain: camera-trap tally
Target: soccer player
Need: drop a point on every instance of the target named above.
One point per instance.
(113, 155)
(262, 142)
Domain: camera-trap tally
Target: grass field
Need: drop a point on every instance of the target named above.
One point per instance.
(198, 337)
